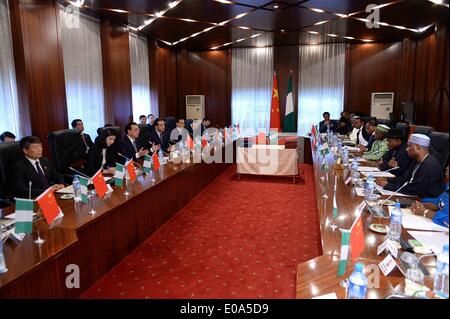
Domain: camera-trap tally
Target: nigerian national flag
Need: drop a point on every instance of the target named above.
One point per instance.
(344, 251)
(289, 119)
(84, 189)
(119, 175)
(325, 149)
(24, 216)
(147, 167)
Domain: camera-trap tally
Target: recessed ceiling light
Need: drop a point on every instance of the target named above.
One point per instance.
(366, 40)
(256, 35)
(214, 48)
(224, 1)
(159, 14)
(350, 38)
(188, 20)
(341, 15)
(245, 28)
(241, 15)
(437, 1)
(168, 43)
(399, 27)
(313, 32)
(282, 30)
(276, 6)
(424, 28)
(332, 35)
(173, 4)
(208, 29)
(240, 40)
(119, 11)
(321, 22)
(317, 10)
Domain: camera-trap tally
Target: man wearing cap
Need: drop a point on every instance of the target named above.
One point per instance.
(396, 156)
(380, 144)
(424, 178)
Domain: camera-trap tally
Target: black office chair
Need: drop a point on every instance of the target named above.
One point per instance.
(367, 119)
(385, 122)
(67, 149)
(170, 124)
(426, 130)
(188, 125)
(9, 154)
(439, 147)
(404, 127)
(143, 130)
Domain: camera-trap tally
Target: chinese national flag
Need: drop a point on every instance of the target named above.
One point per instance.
(357, 243)
(100, 185)
(275, 118)
(49, 206)
(156, 163)
(313, 130)
(189, 142)
(262, 139)
(131, 171)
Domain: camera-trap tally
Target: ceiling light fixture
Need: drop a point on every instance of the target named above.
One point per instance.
(276, 6)
(350, 38)
(332, 35)
(313, 32)
(366, 40)
(173, 4)
(245, 28)
(341, 15)
(321, 22)
(241, 15)
(317, 10)
(224, 1)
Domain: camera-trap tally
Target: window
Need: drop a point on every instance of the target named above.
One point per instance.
(252, 81)
(140, 77)
(9, 106)
(82, 53)
(321, 84)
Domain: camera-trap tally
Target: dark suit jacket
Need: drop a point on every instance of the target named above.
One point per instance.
(95, 158)
(126, 148)
(154, 138)
(404, 162)
(323, 126)
(24, 172)
(81, 151)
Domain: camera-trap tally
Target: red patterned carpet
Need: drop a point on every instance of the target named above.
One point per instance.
(236, 239)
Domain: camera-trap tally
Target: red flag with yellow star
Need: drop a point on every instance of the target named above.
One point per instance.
(357, 243)
(275, 118)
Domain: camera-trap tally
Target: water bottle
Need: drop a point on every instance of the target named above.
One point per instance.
(395, 227)
(354, 168)
(369, 189)
(161, 157)
(76, 189)
(441, 274)
(357, 284)
(345, 158)
(339, 146)
(3, 268)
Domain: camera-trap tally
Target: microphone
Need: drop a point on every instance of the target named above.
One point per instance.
(79, 173)
(130, 160)
(395, 193)
(392, 169)
(29, 189)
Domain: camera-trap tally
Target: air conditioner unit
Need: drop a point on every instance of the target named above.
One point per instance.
(195, 107)
(382, 104)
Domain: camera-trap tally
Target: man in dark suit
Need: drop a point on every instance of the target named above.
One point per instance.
(205, 124)
(159, 138)
(397, 155)
(327, 124)
(87, 141)
(131, 146)
(35, 169)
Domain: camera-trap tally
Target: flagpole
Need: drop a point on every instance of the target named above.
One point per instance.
(39, 240)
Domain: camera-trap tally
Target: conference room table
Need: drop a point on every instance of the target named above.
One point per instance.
(319, 276)
(96, 243)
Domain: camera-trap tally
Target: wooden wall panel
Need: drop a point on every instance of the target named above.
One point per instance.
(116, 73)
(39, 65)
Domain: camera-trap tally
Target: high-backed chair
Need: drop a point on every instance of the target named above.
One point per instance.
(143, 130)
(170, 124)
(439, 147)
(385, 122)
(404, 127)
(116, 130)
(67, 149)
(426, 130)
(9, 154)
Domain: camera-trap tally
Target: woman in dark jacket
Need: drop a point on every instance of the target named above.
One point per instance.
(102, 154)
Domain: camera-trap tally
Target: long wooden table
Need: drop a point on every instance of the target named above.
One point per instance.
(96, 243)
(319, 276)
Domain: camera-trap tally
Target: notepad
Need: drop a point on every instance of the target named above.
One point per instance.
(368, 169)
(378, 174)
(411, 221)
(433, 240)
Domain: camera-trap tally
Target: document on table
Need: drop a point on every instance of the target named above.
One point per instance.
(411, 221)
(378, 174)
(390, 193)
(432, 240)
(368, 169)
(360, 159)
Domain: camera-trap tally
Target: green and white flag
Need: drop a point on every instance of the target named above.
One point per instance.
(119, 175)
(335, 210)
(24, 216)
(345, 247)
(147, 167)
(325, 149)
(289, 119)
(324, 164)
(84, 183)
(273, 138)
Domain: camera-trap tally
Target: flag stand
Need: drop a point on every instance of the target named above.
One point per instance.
(39, 241)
